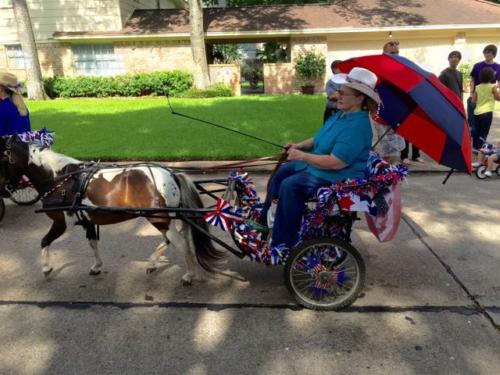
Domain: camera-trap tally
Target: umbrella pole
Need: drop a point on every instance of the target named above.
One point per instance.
(382, 136)
(448, 175)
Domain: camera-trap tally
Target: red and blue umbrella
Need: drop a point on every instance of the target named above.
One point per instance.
(420, 108)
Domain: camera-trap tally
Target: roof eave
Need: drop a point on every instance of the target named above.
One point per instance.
(270, 33)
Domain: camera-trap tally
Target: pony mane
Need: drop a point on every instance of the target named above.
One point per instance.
(48, 159)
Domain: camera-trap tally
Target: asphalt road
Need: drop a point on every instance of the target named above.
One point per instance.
(431, 304)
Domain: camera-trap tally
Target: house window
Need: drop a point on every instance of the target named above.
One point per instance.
(97, 60)
(15, 57)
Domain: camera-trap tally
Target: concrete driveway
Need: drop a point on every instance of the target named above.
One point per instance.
(431, 302)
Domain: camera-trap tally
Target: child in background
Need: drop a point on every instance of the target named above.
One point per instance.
(484, 98)
(489, 154)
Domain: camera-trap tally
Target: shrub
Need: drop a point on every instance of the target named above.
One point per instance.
(252, 72)
(310, 66)
(216, 90)
(157, 83)
(465, 69)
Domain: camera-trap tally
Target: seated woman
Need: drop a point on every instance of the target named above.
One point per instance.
(338, 151)
(14, 116)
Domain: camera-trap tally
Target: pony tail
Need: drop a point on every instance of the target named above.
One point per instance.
(18, 101)
(206, 254)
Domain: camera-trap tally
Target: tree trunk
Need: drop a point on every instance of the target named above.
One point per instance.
(201, 75)
(28, 45)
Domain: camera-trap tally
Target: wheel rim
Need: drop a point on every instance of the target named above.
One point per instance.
(480, 172)
(25, 195)
(325, 274)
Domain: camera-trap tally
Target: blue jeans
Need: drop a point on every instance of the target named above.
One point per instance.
(293, 189)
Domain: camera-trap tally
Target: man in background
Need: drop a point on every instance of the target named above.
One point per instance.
(451, 77)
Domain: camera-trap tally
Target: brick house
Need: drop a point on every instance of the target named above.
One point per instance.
(118, 36)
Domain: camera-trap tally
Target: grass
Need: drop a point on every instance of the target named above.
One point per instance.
(144, 128)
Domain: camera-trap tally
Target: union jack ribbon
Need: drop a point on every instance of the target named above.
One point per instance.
(224, 216)
(43, 137)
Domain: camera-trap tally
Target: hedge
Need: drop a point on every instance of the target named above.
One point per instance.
(158, 83)
(216, 90)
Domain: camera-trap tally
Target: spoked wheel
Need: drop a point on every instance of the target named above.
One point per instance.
(2, 209)
(480, 172)
(325, 274)
(25, 195)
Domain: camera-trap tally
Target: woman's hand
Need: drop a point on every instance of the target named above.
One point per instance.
(295, 154)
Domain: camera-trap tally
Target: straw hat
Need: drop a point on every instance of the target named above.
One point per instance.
(9, 81)
(359, 79)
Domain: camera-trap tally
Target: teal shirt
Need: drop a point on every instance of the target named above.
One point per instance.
(348, 137)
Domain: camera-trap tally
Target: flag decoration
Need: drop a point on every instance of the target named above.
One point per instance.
(43, 137)
(352, 195)
(224, 216)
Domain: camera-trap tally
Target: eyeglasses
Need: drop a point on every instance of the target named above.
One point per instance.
(343, 93)
(393, 44)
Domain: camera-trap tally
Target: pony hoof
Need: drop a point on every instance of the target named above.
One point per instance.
(94, 272)
(150, 270)
(186, 282)
(46, 273)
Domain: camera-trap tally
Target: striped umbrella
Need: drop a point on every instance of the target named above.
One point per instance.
(420, 108)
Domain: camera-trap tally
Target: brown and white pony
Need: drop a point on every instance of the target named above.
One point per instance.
(56, 177)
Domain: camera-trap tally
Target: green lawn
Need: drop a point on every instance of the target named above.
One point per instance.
(144, 128)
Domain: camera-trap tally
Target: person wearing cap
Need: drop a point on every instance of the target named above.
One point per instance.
(14, 116)
(338, 151)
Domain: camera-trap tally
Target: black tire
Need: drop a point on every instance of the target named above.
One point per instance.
(498, 170)
(25, 196)
(480, 172)
(347, 267)
(2, 209)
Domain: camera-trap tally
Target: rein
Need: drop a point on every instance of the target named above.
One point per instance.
(57, 186)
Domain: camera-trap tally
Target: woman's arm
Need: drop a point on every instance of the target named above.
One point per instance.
(319, 161)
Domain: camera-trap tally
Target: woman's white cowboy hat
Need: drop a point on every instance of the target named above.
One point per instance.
(9, 81)
(360, 79)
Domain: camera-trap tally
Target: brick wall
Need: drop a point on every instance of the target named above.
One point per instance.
(228, 74)
(279, 79)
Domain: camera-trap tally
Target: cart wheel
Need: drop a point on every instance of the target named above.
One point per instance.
(2, 209)
(480, 172)
(25, 196)
(325, 274)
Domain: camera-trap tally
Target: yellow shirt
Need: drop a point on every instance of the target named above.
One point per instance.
(485, 99)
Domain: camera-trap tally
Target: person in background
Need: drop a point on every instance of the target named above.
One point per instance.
(488, 155)
(392, 48)
(484, 100)
(14, 116)
(489, 53)
(331, 92)
(451, 77)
